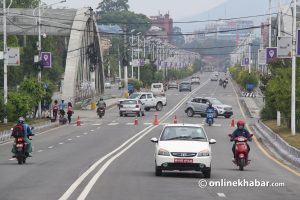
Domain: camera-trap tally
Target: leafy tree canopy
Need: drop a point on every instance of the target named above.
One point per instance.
(107, 6)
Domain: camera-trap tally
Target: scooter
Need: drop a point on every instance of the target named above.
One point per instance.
(21, 146)
(224, 84)
(241, 151)
(210, 118)
(100, 112)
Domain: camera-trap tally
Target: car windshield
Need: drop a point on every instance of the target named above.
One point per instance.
(183, 133)
(156, 86)
(185, 83)
(216, 102)
(134, 96)
(130, 102)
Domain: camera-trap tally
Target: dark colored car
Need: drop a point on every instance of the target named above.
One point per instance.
(185, 86)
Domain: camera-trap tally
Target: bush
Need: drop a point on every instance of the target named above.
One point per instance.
(137, 84)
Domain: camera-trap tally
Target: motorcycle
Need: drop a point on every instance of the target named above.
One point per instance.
(100, 112)
(210, 117)
(224, 84)
(21, 146)
(241, 151)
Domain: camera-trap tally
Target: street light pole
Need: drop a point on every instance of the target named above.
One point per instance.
(249, 64)
(39, 56)
(293, 99)
(5, 57)
(132, 55)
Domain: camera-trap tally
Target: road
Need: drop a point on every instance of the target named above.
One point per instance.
(111, 159)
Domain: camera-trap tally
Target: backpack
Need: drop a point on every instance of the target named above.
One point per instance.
(18, 130)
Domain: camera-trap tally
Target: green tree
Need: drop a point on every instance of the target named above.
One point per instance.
(107, 6)
(34, 88)
(25, 4)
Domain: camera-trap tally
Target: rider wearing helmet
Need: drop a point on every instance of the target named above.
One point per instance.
(101, 104)
(25, 132)
(240, 131)
(209, 109)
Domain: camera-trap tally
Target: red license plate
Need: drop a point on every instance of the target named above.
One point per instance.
(183, 160)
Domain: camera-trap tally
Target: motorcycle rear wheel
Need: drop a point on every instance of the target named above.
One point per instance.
(242, 163)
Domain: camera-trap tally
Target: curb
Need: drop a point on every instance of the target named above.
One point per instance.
(277, 144)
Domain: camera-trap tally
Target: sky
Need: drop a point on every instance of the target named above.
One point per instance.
(178, 8)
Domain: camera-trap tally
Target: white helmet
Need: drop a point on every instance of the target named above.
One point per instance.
(21, 120)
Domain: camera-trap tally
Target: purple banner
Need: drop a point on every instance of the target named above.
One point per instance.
(46, 59)
(271, 54)
(298, 43)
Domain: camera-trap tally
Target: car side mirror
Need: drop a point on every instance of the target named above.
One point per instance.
(212, 141)
(154, 140)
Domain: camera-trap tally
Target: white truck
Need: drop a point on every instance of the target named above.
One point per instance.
(149, 100)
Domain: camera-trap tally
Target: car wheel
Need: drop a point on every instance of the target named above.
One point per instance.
(227, 116)
(147, 109)
(121, 114)
(207, 173)
(159, 106)
(158, 171)
(190, 112)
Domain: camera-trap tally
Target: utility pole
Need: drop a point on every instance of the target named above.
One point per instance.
(120, 73)
(144, 48)
(293, 99)
(5, 57)
(39, 56)
(138, 57)
(249, 44)
(126, 62)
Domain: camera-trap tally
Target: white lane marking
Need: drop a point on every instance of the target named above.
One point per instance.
(78, 136)
(61, 143)
(70, 139)
(39, 151)
(74, 186)
(51, 147)
(96, 124)
(11, 159)
(85, 133)
(92, 130)
(221, 195)
(148, 123)
(129, 124)
(113, 124)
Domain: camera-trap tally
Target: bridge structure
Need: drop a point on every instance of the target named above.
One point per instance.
(84, 71)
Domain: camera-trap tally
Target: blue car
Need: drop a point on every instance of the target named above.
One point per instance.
(185, 86)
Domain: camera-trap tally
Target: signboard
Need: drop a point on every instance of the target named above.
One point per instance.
(284, 47)
(13, 54)
(135, 63)
(142, 62)
(298, 42)
(46, 59)
(271, 54)
(262, 57)
(245, 62)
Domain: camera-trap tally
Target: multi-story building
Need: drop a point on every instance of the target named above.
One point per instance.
(164, 22)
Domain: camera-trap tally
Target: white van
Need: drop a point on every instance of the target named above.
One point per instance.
(157, 89)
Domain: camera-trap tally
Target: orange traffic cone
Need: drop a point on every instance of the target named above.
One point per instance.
(78, 121)
(232, 123)
(155, 120)
(136, 121)
(175, 120)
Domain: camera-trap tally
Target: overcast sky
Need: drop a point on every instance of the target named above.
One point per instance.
(177, 8)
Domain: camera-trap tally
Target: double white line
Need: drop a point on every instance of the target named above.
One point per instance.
(121, 149)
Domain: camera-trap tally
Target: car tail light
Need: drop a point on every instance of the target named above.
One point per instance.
(20, 139)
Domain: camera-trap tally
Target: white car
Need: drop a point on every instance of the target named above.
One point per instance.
(183, 147)
(131, 106)
(107, 85)
(157, 89)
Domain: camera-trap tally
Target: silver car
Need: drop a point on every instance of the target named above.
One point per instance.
(131, 107)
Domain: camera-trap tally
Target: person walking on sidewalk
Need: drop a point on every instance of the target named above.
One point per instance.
(70, 111)
(55, 109)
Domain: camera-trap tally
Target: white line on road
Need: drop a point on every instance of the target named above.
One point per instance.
(11, 159)
(61, 143)
(78, 136)
(96, 124)
(39, 151)
(221, 195)
(129, 124)
(92, 130)
(113, 124)
(148, 123)
(51, 147)
(70, 139)
(85, 133)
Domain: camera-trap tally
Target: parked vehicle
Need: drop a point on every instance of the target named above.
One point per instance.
(149, 100)
(198, 105)
(241, 152)
(107, 85)
(131, 106)
(195, 80)
(172, 84)
(158, 89)
(183, 147)
(185, 86)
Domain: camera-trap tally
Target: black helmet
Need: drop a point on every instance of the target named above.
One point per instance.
(210, 105)
(21, 120)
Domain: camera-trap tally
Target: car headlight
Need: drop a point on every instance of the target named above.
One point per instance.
(203, 153)
(163, 152)
(219, 107)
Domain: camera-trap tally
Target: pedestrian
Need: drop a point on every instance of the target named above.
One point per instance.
(55, 109)
(70, 111)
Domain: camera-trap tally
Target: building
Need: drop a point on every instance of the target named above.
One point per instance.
(164, 22)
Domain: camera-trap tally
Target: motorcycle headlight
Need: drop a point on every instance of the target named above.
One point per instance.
(203, 153)
(163, 152)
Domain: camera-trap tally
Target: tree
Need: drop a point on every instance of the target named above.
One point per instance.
(25, 4)
(107, 6)
(177, 37)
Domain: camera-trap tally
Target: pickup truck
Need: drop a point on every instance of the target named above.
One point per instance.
(149, 100)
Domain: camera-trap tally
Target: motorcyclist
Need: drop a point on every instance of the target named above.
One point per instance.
(220, 81)
(26, 132)
(240, 131)
(101, 104)
(209, 109)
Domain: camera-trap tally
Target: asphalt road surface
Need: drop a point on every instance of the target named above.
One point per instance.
(112, 159)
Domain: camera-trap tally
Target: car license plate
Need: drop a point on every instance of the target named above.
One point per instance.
(183, 160)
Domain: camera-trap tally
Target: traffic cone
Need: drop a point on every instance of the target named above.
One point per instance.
(175, 120)
(155, 120)
(78, 121)
(136, 121)
(232, 123)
